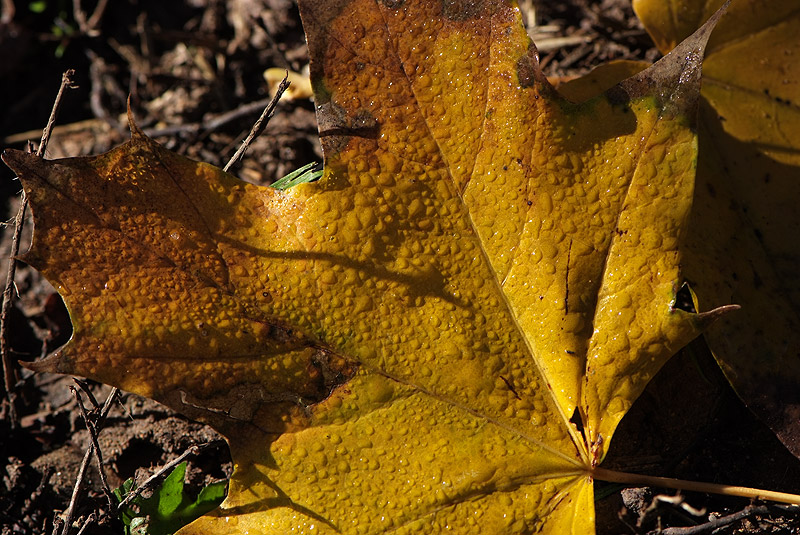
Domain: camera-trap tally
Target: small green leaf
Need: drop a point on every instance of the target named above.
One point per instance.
(213, 493)
(120, 493)
(37, 7)
(169, 497)
(124, 489)
(169, 508)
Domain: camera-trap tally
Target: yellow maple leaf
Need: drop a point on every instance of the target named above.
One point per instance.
(747, 207)
(440, 334)
(742, 246)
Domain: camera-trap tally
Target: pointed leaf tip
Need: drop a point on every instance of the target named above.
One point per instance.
(52, 363)
(675, 78)
(705, 319)
(17, 160)
(28, 166)
(135, 130)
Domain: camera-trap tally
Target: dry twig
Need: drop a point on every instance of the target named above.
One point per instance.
(91, 426)
(80, 481)
(89, 521)
(716, 523)
(89, 26)
(8, 11)
(9, 372)
(260, 124)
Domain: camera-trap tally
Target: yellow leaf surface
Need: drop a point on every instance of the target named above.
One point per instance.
(598, 80)
(443, 332)
(743, 247)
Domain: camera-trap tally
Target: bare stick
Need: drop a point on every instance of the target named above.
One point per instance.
(92, 517)
(97, 14)
(160, 474)
(261, 123)
(696, 486)
(79, 15)
(8, 12)
(209, 124)
(88, 27)
(206, 126)
(88, 391)
(80, 481)
(716, 523)
(92, 428)
(9, 371)
(216, 121)
(66, 83)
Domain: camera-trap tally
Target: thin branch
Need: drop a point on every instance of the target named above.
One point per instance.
(112, 397)
(88, 27)
(9, 371)
(716, 523)
(261, 123)
(89, 520)
(209, 124)
(161, 474)
(80, 481)
(97, 14)
(57, 523)
(88, 391)
(79, 15)
(92, 428)
(217, 121)
(696, 486)
(8, 11)
(66, 83)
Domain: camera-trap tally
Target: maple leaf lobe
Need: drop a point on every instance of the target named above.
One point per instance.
(743, 246)
(149, 281)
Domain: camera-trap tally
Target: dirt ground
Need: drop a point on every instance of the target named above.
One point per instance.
(194, 71)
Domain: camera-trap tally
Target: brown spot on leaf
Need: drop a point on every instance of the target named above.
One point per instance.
(528, 67)
(462, 10)
(328, 371)
(336, 128)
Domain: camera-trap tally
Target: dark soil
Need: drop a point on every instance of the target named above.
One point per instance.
(186, 63)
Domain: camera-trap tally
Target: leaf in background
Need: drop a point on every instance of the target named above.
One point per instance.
(744, 247)
(598, 80)
(440, 334)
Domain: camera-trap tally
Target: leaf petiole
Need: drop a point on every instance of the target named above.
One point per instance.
(613, 476)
